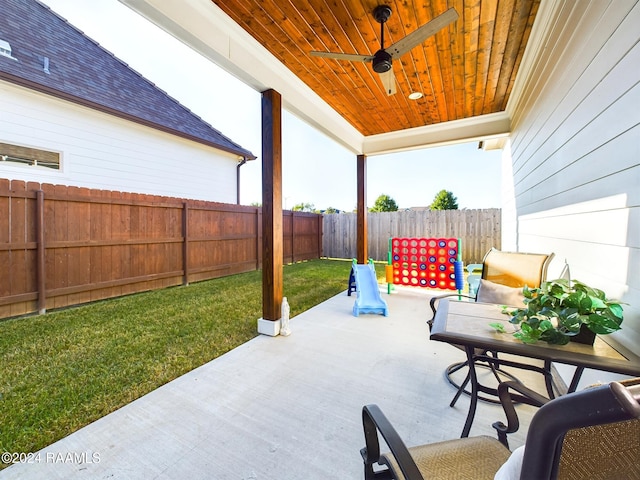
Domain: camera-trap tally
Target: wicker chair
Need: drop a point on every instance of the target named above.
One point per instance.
(511, 270)
(594, 433)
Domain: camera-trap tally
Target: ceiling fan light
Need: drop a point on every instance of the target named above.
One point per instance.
(381, 61)
(415, 95)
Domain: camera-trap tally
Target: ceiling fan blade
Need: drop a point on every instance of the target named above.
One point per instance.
(388, 81)
(351, 57)
(418, 36)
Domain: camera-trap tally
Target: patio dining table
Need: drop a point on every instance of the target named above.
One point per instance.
(467, 324)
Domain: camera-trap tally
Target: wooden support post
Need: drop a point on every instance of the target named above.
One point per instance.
(361, 229)
(41, 252)
(272, 249)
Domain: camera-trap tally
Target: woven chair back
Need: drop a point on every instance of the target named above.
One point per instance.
(515, 269)
(601, 452)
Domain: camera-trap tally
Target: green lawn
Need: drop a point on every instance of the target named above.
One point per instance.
(65, 369)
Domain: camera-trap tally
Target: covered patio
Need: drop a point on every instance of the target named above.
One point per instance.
(282, 408)
(289, 407)
(552, 83)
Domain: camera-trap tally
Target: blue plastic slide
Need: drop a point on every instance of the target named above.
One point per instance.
(368, 299)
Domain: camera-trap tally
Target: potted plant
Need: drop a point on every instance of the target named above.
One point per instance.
(561, 311)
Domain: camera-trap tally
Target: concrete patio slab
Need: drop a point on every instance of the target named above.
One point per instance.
(280, 408)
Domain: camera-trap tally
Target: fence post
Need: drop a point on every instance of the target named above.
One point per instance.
(41, 272)
(185, 243)
(293, 243)
(320, 223)
(258, 242)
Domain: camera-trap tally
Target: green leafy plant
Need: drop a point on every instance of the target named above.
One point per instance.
(498, 326)
(556, 311)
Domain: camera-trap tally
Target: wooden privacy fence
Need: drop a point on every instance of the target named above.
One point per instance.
(479, 230)
(63, 246)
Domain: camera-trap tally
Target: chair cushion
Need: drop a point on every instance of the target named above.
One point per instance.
(512, 468)
(473, 458)
(490, 292)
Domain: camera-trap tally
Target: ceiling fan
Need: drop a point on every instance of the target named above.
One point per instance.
(382, 59)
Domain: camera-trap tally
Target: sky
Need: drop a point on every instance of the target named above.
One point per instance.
(316, 169)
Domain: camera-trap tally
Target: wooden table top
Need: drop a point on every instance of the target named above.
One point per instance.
(467, 323)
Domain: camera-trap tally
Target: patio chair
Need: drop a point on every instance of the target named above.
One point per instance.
(582, 457)
(503, 276)
(591, 434)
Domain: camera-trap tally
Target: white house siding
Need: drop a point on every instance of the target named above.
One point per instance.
(105, 152)
(575, 154)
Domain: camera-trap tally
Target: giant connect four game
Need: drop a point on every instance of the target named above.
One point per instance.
(424, 262)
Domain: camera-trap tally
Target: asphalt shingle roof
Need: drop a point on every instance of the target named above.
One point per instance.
(82, 71)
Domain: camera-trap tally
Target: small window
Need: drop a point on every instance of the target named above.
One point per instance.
(5, 49)
(29, 156)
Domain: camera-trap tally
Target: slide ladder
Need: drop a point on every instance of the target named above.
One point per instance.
(368, 299)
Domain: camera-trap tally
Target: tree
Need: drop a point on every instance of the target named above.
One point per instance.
(331, 210)
(444, 200)
(384, 203)
(304, 207)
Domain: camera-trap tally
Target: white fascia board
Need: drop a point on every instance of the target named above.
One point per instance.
(204, 27)
(483, 127)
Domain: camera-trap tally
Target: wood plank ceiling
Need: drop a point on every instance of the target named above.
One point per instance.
(466, 69)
